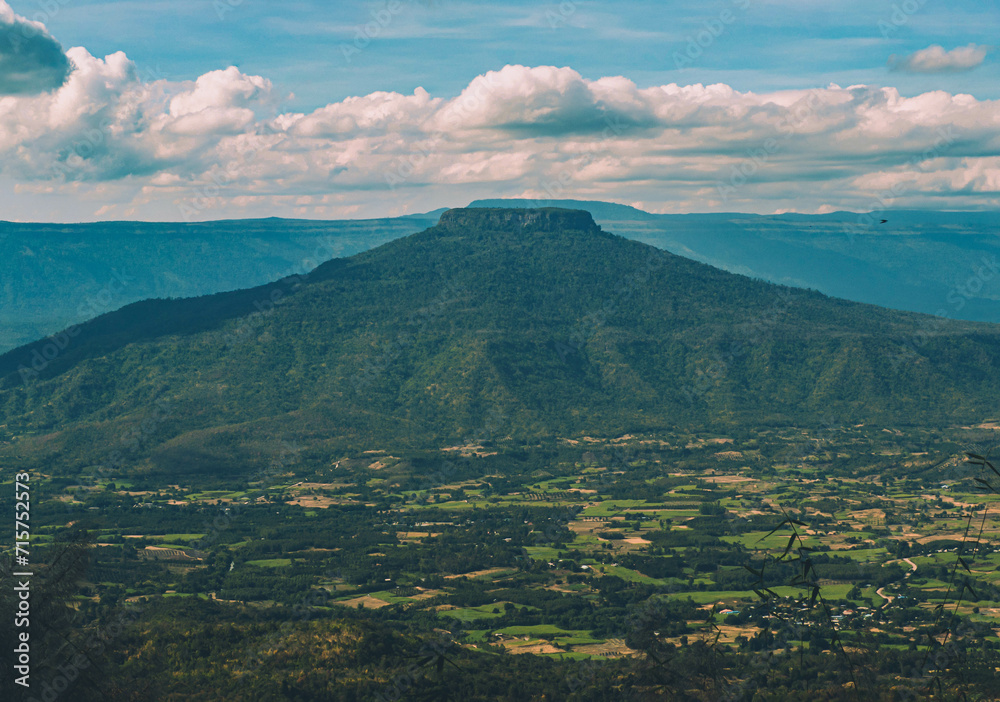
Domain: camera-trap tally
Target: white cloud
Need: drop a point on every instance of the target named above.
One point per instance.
(544, 100)
(220, 90)
(213, 147)
(376, 113)
(105, 124)
(31, 61)
(934, 59)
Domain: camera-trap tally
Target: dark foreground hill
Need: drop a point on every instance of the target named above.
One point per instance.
(534, 323)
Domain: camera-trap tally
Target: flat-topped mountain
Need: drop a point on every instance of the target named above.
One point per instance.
(487, 219)
(535, 323)
(56, 275)
(601, 211)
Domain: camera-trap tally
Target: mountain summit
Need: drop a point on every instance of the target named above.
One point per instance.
(535, 316)
(553, 219)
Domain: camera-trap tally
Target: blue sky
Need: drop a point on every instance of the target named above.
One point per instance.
(441, 45)
(314, 55)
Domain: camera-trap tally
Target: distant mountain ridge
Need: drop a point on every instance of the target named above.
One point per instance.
(53, 276)
(56, 275)
(538, 317)
(941, 263)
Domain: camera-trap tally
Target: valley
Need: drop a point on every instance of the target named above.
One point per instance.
(514, 451)
(578, 550)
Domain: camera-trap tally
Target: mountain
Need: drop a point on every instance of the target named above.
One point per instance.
(601, 211)
(56, 275)
(515, 325)
(940, 263)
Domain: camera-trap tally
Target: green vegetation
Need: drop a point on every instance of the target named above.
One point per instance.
(547, 577)
(559, 329)
(276, 531)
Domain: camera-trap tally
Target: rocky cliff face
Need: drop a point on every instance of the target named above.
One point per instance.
(529, 220)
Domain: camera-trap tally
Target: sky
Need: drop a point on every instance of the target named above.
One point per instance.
(189, 110)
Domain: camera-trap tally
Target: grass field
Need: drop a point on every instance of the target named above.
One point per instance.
(539, 630)
(176, 537)
(633, 576)
(468, 614)
(271, 563)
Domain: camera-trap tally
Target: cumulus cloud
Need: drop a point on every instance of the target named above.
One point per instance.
(220, 90)
(379, 112)
(546, 101)
(31, 61)
(934, 59)
(105, 124)
(215, 146)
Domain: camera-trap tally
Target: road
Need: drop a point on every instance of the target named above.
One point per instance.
(889, 598)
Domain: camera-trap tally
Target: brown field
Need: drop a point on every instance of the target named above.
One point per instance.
(728, 479)
(613, 648)
(404, 535)
(165, 554)
(532, 648)
(426, 594)
(368, 601)
(317, 501)
(476, 573)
